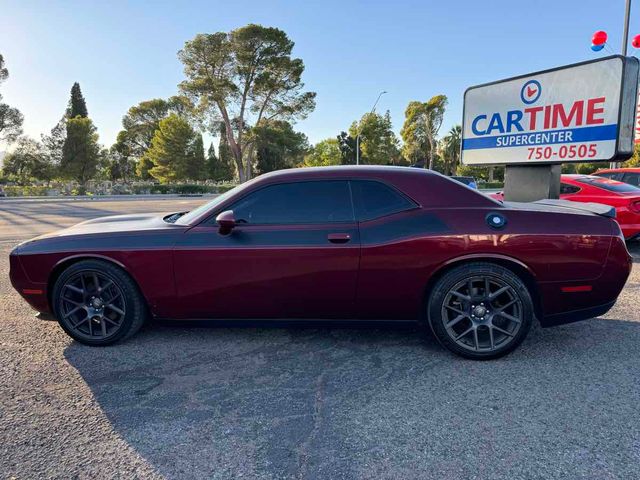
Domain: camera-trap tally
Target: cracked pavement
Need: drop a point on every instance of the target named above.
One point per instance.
(311, 402)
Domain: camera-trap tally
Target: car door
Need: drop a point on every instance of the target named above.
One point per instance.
(294, 253)
(389, 270)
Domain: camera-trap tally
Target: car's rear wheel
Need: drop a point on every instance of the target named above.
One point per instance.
(97, 303)
(480, 311)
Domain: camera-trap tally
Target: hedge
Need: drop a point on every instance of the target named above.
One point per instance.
(491, 185)
(179, 189)
(184, 189)
(17, 191)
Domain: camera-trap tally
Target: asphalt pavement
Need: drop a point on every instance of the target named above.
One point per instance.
(307, 402)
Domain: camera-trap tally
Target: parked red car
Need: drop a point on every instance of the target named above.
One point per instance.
(361, 243)
(626, 175)
(623, 197)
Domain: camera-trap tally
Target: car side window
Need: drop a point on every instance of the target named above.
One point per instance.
(296, 203)
(632, 178)
(611, 176)
(374, 199)
(566, 189)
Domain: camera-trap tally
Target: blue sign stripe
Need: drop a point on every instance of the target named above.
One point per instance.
(545, 137)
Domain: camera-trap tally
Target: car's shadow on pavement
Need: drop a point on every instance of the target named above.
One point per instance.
(371, 403)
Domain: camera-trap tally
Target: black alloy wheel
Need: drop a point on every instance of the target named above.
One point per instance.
(97, 303)
(480, 310)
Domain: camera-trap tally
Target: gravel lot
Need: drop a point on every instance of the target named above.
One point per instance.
(326, 403)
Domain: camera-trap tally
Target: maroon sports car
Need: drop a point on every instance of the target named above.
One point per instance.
(359, 243)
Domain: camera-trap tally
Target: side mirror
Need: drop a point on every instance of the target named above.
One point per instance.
(226, 220)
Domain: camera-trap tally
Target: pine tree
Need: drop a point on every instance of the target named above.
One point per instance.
(171, 149)
(54, 142)
(195, 167)
(225, 168)
(77, 105)
(212, 163)
(81, 153)
(143, 168)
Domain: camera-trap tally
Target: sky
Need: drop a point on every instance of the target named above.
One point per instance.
(122, 53)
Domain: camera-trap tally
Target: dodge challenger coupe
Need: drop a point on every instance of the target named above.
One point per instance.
(358, 243)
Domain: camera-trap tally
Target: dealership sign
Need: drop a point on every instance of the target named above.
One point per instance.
(579, 113)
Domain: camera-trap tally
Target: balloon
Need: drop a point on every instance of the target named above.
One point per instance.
(636, 41)
(599, 38)
(597, 48)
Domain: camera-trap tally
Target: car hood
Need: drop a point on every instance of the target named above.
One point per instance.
(115, 224)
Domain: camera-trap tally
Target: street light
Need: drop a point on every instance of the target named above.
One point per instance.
(625, 28)
(358, 135)
(625, 42)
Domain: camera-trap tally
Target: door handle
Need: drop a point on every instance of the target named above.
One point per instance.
(338, 237)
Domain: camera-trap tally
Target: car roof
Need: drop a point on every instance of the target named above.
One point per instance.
(346, 170)
(379, 172)
(573, 176)
(621, 170)
(576, 177)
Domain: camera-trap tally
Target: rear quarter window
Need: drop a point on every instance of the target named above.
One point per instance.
(566, 189)
(375, 199)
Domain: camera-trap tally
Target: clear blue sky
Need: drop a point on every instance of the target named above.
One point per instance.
(125, 52)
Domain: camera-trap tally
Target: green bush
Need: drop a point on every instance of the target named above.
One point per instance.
(163, 189)
(225, 188)
(491, 185)
(120, 189)
(193, 189)
(180, 189)
(27, 191)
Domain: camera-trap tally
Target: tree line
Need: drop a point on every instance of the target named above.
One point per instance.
(244, 88)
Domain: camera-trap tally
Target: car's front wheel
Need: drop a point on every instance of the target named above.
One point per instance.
(480, 311)
(97, 303)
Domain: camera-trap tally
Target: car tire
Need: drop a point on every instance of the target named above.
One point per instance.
(480, 311)
(97, 303)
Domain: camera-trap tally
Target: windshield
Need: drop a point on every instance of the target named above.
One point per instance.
(611, 185)
(189, 217)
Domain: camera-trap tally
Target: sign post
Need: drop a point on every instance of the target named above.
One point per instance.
(533, 123)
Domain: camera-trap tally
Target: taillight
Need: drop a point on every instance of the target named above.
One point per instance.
(635, 206)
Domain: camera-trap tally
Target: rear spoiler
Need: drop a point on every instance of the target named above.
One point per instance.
(597, 208)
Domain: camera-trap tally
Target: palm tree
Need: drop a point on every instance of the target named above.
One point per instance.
(451, 149)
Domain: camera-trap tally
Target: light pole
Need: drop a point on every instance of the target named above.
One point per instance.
(625, 34)
(625, 41)
(358, 135)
